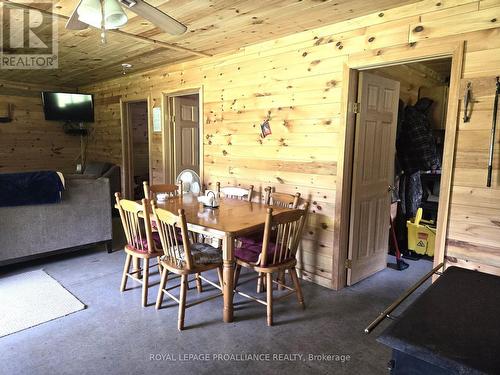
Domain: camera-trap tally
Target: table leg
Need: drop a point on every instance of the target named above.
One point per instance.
(228, 257)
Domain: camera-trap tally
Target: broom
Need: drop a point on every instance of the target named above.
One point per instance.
(400, 263)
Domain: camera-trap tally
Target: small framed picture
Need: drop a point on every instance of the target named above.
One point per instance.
(265, 128)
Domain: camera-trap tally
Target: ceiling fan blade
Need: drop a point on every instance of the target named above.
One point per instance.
(155, 16)
(74, 23)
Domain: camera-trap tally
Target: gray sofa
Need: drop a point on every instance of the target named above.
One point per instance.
(111, 171)
(82, 218)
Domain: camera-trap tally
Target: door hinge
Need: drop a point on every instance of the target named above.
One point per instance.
(348, 263)
(355, 107)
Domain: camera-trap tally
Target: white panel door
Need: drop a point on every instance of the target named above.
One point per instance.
(373, 173)
(186, 134)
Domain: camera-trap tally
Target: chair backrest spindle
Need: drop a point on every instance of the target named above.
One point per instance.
(138, 231)
(235, 192)
(177, 252)
(282, 234)
(151, 191)
(274, 198)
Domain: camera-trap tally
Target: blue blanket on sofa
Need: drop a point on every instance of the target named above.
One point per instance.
(20, 189)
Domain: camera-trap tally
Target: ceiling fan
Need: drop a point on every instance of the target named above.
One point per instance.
(109, 15)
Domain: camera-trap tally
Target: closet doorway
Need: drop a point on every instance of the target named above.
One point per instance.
(135, 147)
(183, 138)
(397, 157)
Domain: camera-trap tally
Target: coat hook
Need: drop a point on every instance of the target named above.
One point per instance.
(493, 132)
(467, 101)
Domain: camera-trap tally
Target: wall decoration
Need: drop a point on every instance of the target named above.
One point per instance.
(266, 129)
(156, 119)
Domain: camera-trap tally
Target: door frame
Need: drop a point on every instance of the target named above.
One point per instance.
(168, 131)
(412, 52)
(126, 143)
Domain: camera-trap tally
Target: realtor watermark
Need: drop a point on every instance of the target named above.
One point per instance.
(28, 35)
(250, 357)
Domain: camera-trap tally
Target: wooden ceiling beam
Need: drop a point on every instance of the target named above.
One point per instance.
(143, 39)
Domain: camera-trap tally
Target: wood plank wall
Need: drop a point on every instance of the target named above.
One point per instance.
(296, 82)
(411, 77)
(29, 143)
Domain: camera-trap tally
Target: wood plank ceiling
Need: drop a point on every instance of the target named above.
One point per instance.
(214, 26)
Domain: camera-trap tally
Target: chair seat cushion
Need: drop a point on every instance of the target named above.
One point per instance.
(203, 253)
(144, 241)
(250, 253)
(250, 239)
(253, 238)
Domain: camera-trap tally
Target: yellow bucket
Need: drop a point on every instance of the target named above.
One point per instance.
(421, 235)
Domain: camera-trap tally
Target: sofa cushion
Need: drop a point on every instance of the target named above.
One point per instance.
(96, 168)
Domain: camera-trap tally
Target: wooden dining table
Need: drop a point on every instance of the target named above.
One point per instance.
(233, 218)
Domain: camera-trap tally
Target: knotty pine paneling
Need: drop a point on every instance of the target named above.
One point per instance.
(296, 82)
(29, 143)
(411, 77)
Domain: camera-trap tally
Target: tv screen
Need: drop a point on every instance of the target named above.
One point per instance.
(62, 106)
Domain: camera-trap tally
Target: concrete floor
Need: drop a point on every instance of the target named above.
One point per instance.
(115, 335)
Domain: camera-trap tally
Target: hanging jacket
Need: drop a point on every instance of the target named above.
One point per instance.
(415, 145)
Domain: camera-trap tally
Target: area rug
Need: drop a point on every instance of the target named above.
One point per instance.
(33, 298)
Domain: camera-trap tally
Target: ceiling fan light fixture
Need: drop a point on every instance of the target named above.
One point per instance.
(114, 15)
(128, 3)
(108, 14)
(90, 12)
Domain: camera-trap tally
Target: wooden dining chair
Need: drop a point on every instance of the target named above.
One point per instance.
(276, 254)
(277, 199)
(235, 192)
(274, 198)
(150, 191)
(141, 243)
(183, 258)
(171, 190)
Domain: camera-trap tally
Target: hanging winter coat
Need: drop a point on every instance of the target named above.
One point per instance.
(416, 147)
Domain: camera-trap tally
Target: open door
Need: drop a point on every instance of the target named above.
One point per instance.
(372, 175)
(186, 134)
(135, 146)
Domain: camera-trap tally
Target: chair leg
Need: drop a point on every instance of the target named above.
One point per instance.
(269, 289)
(260, 281)
(145, 277)
(198, 283)
(159, 264)
(126, 270)
(221, 279)
(237, 272)
(281, 279)
(163, 282)
(136, 266)
(298, 290)
(182, 303)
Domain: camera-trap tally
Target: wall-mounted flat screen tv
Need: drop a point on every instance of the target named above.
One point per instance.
(63, 106)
